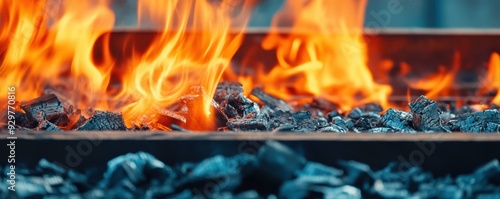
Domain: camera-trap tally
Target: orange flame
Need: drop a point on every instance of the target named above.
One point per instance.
(194, 47)
(437, 84)
(494, 75)
(323, 56)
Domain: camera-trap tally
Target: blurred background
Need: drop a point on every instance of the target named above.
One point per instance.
(409, 13)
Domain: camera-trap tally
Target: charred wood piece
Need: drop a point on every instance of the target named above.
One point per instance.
(426, 114)
(270, 100)
(224, 89)
(47, 126)
(484, 121)
(398, 120)
(104, 120)
(47, 103)
(242, 104)
(253, 124)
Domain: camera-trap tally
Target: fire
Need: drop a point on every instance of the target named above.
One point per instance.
(323, 56)
(494, 75)
(439, 83)
(52, 44)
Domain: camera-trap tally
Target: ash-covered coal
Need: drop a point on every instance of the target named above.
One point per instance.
(235, 112)
(275, 171)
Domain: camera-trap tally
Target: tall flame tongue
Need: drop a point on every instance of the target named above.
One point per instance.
(324, 55)
(194, 46)
(59, 57)
(494, 76)
(194, 49)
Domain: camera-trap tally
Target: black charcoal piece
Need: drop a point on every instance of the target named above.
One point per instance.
(224, 89)
(324, 105)
(281, 118)
(321, 122)
(230, 111)
(318, 169)
(426, 115)
(358, 174)
(47, 126)
(253, 124)
(303, 188)
(337, 120)
(382, 130)
(364, 124)
(242, 104)
(398, 120)
(221, 165)
(49, 104)
(332, 129)
(332, 114)
(302, 116)
(135, 168)
(221, 118)
(483, 121)
(278, 162)
(355, 113)
(271, 101)
(481, 175)
(24, 121)
(372, 107)
(104, 120)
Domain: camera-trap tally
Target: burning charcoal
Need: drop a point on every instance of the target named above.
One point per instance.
(355, 113)
(280, 118)
(271, 101)
(332, 129)
(483, 121)
(304, 122)
(104, 120)
(364, 124)
(372, 107)
(47, 103)
(221, 118)
(230, 111)
(333, 114)
(425, 114)
(324, 105)
(253, 124)
(47, 126)
(321, 122)
(398, 120)
(340, 122)
(275, 164)
(135, 168)
(242, 104)
(224, 89)
(382, 130)
(25, 121)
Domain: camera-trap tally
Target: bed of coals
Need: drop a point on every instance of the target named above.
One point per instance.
(275, 171)
(236, 112)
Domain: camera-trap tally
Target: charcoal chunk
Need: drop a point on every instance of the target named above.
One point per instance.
(355, 113)
(484, 121)
(358, 174)
(224, 89)
(426, 114)
(49, 104)
(396, 119)
(382, 130)
(252, 124)
(242, 104)
(47, 126)
(270, 100)
(278, 162)
(104, 120)
(135, 168)
(318, 169)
